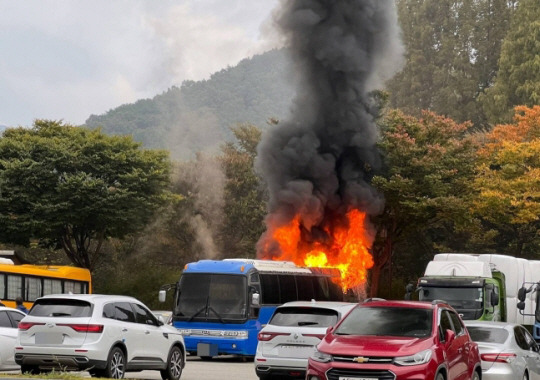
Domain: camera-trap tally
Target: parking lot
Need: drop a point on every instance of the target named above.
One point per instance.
(220, 368)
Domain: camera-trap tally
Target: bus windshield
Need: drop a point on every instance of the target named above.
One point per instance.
(467, 301)
(211, 297)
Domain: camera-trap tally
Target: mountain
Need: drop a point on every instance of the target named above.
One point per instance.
(197, 116)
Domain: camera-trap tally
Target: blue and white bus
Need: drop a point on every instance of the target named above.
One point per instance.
(221, 305)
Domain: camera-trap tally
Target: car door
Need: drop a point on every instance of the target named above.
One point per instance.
(464, 342)
(8, 334)
(454, 351)
(126, 327)
(153, 343)
(532, 356)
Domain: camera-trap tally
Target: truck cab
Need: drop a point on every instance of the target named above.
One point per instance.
(473, 298)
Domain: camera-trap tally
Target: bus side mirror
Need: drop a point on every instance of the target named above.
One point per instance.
(522, 294)
(408, 291)
(255, 299)
(494, 299)
(162, 295)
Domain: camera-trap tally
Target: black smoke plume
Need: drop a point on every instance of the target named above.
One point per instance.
(318, 163)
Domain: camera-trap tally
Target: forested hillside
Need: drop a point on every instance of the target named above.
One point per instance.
(197, 116)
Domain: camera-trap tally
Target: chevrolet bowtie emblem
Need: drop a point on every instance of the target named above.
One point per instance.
(360, 359)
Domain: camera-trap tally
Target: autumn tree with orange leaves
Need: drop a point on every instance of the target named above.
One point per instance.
(429, 166)
(508, 184)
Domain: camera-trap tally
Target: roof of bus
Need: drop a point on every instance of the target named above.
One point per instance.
(61, 271)
(244, 266)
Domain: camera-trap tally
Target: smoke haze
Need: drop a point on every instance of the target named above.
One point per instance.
(318, 163)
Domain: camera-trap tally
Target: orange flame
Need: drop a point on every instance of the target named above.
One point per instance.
(345, 246)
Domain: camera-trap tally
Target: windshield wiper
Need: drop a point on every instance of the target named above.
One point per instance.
(210, 308)
(305, 323)
(200, 310)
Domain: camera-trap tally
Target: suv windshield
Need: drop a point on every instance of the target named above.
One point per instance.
(304, 316)
(212, 297)
(387, 321)
(61, 308)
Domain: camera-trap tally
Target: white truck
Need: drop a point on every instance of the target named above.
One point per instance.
(481, 286)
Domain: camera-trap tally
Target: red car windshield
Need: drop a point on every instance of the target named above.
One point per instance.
(387, 321)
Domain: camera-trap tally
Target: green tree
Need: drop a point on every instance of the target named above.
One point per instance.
(429, 163)
(245, 205)
(452, 51)
(518, 78)
(73, 188)
(508, 184)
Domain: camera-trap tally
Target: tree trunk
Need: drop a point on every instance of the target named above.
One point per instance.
(382, 258)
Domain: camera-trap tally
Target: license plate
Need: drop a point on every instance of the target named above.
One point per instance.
(49, 338)
(356, 378)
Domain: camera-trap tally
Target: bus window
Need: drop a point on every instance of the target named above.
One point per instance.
(32, 287)
(322, 292)
(304, 285)
(73, 287)
(2, 286)
(269, 289)
(287, 288)
(14, 287)
(51, 286)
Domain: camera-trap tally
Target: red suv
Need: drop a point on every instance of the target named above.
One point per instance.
(397, 340)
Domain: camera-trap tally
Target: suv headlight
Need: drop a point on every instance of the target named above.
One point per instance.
(319, 356)
(421, 357)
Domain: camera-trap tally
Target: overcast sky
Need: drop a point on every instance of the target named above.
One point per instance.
(68, 59)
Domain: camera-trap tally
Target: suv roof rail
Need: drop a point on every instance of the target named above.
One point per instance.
(435, 302)
(374, 299)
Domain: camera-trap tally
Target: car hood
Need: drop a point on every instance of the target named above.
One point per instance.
(382, 346)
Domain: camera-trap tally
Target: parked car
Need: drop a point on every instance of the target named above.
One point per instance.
(9, 319)
(289, 338)
(397, 340)
(507, 350)
(165, 315)
(104, 334)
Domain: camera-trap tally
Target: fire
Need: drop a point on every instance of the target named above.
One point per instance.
(343, 244)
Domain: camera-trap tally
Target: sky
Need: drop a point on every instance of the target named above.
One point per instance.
(69, 59)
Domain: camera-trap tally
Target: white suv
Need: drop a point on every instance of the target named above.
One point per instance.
(103, 334)
(290, 337)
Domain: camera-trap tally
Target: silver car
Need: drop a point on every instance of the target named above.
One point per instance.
(507, 350)
(290, 337)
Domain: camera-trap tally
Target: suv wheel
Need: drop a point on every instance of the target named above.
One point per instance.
(29, 369)
(175, 363)
(116, 364)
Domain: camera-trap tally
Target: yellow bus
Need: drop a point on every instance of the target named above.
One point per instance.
(33, 281)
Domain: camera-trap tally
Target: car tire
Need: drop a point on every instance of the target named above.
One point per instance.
(525, 376)
(116, 364)
(175, 364)
(29, 369)
(440, 376)
(475, 376)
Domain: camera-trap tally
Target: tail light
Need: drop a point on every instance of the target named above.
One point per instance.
(499, 358)
(84, 328)
(27, 325)
(266, 336)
